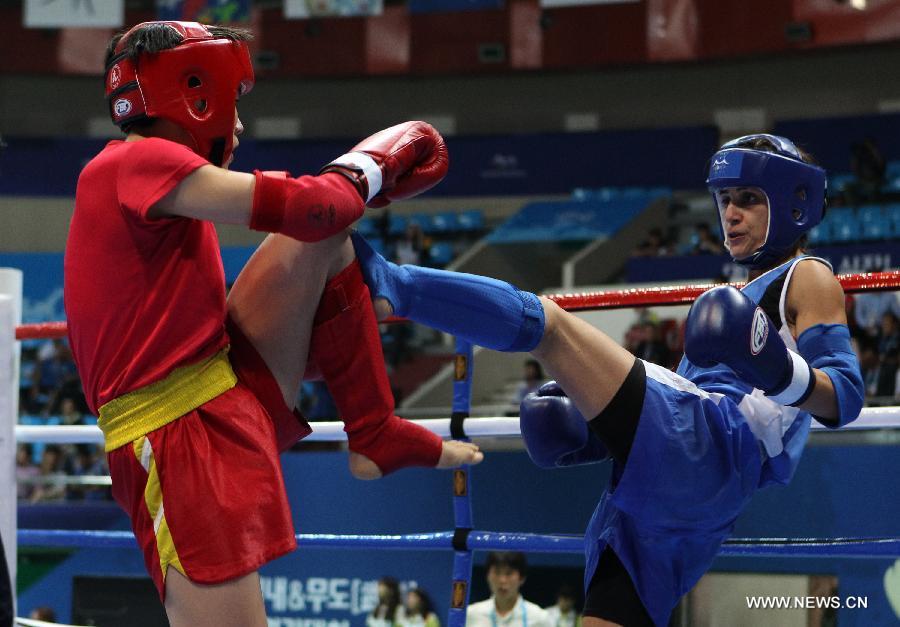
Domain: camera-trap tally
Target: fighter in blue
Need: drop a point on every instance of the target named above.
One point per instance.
(689, 449)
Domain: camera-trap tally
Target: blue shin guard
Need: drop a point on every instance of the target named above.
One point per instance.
(484, 311)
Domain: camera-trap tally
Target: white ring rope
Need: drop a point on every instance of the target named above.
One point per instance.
(870, 419)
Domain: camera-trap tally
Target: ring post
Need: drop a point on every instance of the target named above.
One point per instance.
(462, 492)
(10, 318)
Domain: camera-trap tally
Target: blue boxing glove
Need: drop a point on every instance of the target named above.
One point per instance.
(724, 326)
(555, 432)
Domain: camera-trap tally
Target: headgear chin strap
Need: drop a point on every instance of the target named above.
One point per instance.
(795, 191)
(195, 85)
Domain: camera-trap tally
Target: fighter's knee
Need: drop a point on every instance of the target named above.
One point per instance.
(553, 318)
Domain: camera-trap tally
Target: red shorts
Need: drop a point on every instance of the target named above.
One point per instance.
(205, 493)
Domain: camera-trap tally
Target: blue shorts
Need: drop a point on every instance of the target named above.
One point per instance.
(692, 468)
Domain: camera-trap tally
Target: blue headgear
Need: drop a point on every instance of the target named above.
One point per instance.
(795, 191)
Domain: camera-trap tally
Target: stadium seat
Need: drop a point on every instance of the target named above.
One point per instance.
(397, 225)
(471, 220)
(820, 234)
(837, 183)
(366, 226)
(441, 253)
(445, 222)
(844, 225)
(422, 220)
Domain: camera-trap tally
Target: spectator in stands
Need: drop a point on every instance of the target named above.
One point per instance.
(26, 471)
(389, 611)
(506, 572)
(888, 334)
(419, 610)
(655, 245)
(868, 164)
(703, 241)
(652, 347)
(68, 411)
(56, 367)
(869, 309)
(564, 614)
(412, 247)
(50, 469)
(887, 374)
(85, 462)
(532, 378)
(869, 365)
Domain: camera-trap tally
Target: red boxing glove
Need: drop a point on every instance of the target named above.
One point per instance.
(399, 162)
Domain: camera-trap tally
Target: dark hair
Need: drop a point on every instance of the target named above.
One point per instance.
(514, 560)
(534, 363)
(388, 609)
(155, 37)
(426, 606)
(566, 591)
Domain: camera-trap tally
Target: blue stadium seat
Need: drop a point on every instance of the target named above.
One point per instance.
(445, 222)
(820, 234)
(837, 183)
(366, 226)
(892, 169)
(844, 225)
(876, 229)
(869, 213)
(441, 253)
(892, 213)
(397, 225)
(471, 220)
(423, 220)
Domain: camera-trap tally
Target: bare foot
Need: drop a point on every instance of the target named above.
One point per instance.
(363, 468)
(383, 308)
(453, 454)
(457, 453)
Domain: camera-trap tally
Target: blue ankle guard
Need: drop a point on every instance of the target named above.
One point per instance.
(484, 311)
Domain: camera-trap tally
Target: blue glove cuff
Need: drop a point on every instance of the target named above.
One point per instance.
(827, 348)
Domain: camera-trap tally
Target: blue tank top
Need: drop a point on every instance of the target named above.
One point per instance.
(781, 430)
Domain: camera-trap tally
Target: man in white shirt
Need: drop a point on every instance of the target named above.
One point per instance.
(564, 614)
(506, 608)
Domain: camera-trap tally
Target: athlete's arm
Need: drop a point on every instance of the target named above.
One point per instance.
(210, 193)
(815, 298)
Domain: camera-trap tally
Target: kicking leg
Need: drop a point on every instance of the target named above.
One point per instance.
(587, 363)
(276, 303)
(346, 349)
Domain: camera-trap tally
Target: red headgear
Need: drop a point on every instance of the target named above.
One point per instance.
(194, 84)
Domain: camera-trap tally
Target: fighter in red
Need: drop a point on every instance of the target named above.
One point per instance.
(195, 391)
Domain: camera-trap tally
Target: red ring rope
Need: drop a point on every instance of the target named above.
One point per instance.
(612, 299)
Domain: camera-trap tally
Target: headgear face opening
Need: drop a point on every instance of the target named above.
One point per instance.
(795, 191)
(195, 85)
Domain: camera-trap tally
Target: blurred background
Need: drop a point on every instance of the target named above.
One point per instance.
(579, 132)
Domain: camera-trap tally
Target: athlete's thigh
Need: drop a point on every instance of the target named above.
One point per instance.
(235, 603)
(274, 300)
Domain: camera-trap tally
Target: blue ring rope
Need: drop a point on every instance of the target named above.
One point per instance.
(494, 541)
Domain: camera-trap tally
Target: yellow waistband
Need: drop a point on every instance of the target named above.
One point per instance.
(137, 413)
